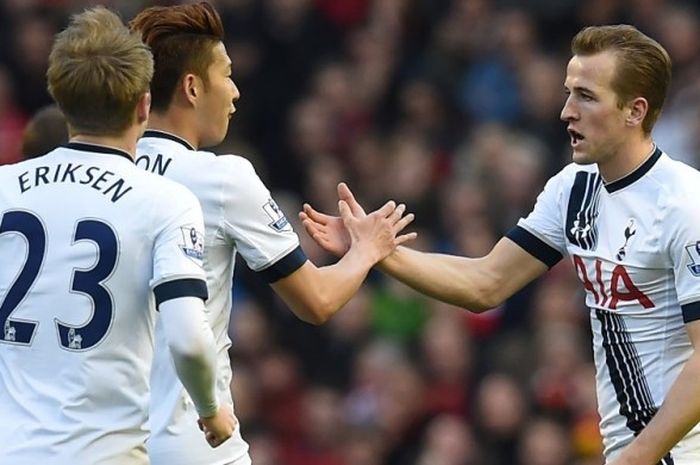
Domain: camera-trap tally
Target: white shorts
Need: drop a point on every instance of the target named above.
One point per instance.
(189, 447)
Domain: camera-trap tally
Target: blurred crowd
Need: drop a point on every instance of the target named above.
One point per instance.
(452, 107)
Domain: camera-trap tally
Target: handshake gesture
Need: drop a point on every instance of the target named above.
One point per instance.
(377, 232)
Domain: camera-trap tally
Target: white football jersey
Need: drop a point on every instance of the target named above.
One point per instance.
(239, 216)
(635, 245)
(88, 243)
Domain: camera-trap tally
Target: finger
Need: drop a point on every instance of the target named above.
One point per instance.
(396, 215)
(310, 226)
(387, 209)
(408, 237)
(314, 231)
(344, 193)
(403, 222)
(345, 212)
(316, 215)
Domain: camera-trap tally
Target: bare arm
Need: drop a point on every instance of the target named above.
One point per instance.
(473, 283)
(476, 284)
(679, 412)
(314, 294)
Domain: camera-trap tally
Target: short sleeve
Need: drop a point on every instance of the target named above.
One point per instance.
(178, 249)
(684, 250)
(261, 231)
(541, 233)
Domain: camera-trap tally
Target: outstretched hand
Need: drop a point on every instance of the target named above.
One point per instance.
(333, 234)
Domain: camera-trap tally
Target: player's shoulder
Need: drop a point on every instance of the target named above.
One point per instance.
(678, 188)
(677, 178)
(566, 177)
(161, 188)
(229, 162)
(572, 169)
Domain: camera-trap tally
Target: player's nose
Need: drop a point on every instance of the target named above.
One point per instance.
(568, 111)
(236, 94)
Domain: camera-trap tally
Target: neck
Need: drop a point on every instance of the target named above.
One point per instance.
(173, 123)
(626, 159)
(125, 142)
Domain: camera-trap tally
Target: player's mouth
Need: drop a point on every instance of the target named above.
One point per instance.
(576, 137)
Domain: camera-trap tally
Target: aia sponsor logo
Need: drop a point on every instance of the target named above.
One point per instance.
(608, 293)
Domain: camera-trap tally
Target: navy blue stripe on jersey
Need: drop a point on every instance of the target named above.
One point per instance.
(626, 374)
(636, 174)
(691, 312)
(285, 266)
(534, 246)
(169, 136)
(582, 210)
(177, 288)
(85, 147)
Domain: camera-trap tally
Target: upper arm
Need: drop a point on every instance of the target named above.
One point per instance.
(684, 251)
(507, 269)
(693, 329)
(252, 220)
(178, 248)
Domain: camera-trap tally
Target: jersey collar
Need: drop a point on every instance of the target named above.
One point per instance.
(636, 174)
(169, 136)
(87, 147)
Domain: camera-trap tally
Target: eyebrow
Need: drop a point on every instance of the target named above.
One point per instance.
(580, 89)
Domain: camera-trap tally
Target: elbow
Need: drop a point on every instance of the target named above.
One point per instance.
(315, 313)
(190, 349)
(484, 298)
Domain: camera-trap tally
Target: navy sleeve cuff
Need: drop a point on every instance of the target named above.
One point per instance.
(285, 266)
(691, 312)
(180, 288)
(534, 246)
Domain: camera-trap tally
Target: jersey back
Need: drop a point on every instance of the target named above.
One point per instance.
(240, 216)
(86, 238)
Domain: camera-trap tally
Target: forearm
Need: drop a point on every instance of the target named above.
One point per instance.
(460, 281)
(315, 294)
(193, 349)
(679, 412)
(476, 284)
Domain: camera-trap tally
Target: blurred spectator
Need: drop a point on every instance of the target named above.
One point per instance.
(452, 107)
(12, 121)
(45, 131)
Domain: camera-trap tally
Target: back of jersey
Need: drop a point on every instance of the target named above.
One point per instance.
(84, 237)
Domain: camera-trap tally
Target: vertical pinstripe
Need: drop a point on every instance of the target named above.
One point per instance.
(627, 375)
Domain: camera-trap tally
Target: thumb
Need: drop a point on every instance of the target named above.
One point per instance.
(344, 210)
(344, 193)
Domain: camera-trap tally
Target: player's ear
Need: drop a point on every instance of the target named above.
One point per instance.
(143, 107)
(636, 111)
(190, 87)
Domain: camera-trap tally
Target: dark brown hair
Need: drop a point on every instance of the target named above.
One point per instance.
(643, 66)
(181, 38)
(46, 131)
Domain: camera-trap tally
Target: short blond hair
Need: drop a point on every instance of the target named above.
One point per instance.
(97, 72)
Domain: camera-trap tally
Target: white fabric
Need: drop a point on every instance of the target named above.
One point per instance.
(640, 235)
(192, 348)
(86, 403)
(240, 217)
